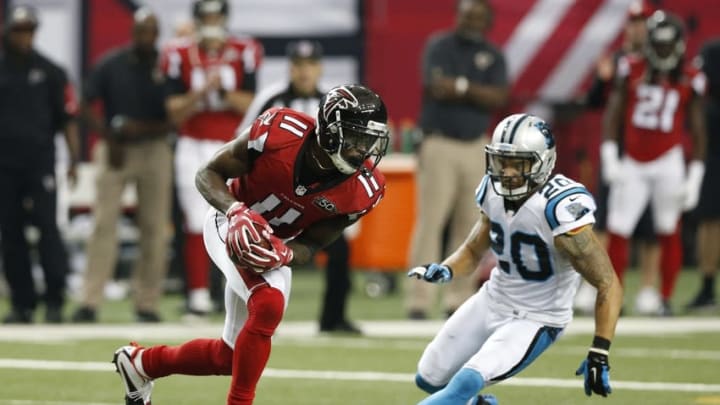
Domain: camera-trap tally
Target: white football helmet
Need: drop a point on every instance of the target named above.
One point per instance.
(520, 156)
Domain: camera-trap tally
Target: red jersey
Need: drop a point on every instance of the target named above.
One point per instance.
(187, 67)
(272, 187)
(655, 112)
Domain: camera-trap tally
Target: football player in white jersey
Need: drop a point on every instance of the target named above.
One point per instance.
(540, 229)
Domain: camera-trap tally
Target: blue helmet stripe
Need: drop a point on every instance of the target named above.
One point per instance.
(517, 125)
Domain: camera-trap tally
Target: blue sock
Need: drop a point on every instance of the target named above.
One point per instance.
(464, 385)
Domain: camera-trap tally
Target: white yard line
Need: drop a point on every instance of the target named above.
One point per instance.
(26, 364)
(302, 329)
(43, 402)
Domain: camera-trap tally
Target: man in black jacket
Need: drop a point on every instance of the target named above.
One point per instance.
(36, 101)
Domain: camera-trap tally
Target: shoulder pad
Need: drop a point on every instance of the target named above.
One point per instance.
(481, 190)
(569, 209)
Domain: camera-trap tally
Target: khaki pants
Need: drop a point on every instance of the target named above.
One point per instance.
(448, 173)
(149, 165)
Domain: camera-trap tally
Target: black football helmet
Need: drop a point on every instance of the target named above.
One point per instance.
(352, 127)
(665, 46)
(203, 8)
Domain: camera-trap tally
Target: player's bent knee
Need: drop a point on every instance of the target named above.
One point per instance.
(265, 310)
(425, 385)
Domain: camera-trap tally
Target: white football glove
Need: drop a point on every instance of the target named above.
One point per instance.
(611, 163)
(693, 182)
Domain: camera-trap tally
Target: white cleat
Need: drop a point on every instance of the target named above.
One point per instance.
(138, 386)
(648, 302)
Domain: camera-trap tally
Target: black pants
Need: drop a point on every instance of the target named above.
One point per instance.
(30, 197)
(337, 283)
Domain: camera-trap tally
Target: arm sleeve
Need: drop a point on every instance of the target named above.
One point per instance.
(570, 209)
(432, 61)
(63, 100)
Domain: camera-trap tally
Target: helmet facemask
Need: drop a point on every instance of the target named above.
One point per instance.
(349, 144)
(514, 175)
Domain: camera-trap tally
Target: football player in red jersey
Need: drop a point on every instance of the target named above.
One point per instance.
(211, 82)
(302, 179)
(652, 99)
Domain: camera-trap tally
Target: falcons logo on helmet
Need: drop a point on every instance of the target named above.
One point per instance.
(339, 97)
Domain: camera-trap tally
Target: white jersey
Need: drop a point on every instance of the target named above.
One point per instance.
(532, 279)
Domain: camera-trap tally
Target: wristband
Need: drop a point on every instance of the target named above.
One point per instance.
(600, 342)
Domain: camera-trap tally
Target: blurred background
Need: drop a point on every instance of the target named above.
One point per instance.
(551, 47)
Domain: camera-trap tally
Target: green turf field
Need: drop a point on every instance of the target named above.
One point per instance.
(667, 364)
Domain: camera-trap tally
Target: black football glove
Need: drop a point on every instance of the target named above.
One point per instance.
(596, 370)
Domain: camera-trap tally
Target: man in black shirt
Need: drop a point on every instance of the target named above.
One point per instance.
(464, 82)
(36, 101)
(708, 209)
(134, 149)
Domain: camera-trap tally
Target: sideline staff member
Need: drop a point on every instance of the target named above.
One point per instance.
(465, 80)
(135, 149)
(36, 101)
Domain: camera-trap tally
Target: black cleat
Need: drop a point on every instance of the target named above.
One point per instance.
(702, 303)
(84, 315)
(19, 316)
(345, 327)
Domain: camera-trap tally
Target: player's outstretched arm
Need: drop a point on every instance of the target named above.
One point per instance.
(590, 259)
(230, 161)
(463, 261)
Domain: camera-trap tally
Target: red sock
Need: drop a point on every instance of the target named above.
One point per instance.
(197, 262)
(618, 252)
(196, 357)
(252, 346)
(670, 262)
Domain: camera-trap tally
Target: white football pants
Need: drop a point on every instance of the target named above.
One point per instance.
(237, 292)
(477, 337)
(659, 182)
